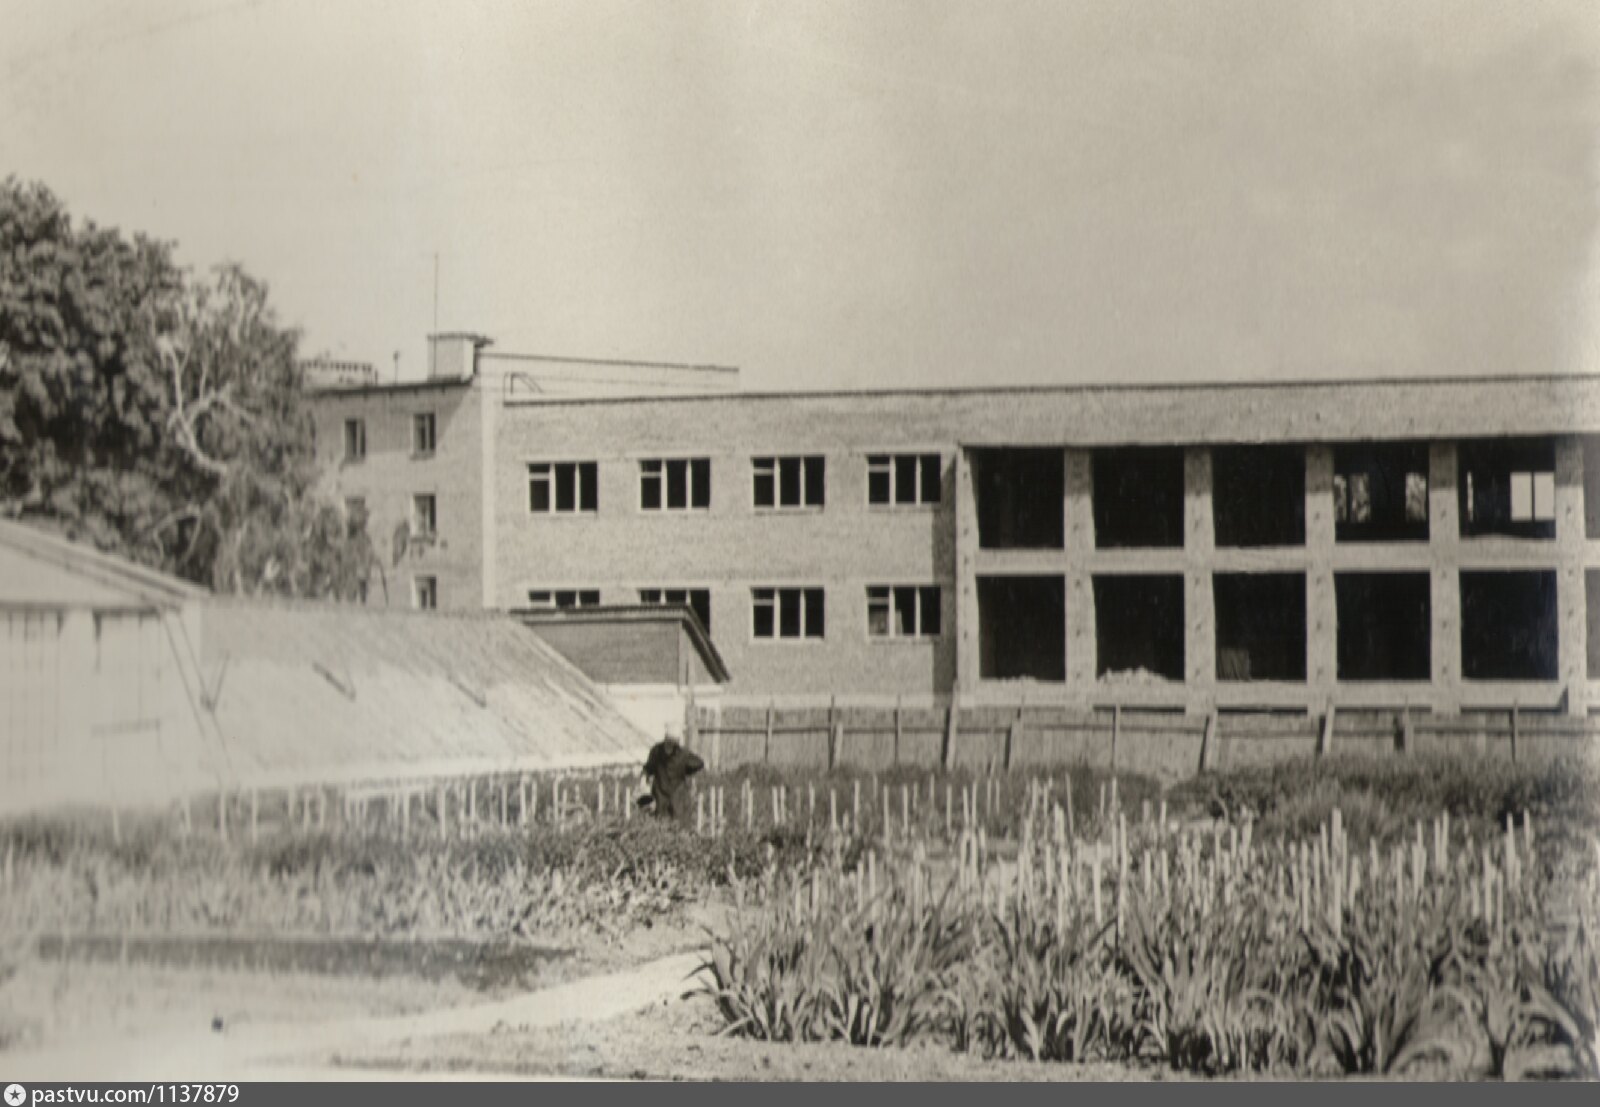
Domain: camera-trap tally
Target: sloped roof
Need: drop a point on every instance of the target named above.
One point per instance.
(41, 569)
(321, 692)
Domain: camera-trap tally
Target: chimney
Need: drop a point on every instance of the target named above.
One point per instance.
(453, 355)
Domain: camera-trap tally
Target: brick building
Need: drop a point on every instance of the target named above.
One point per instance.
(1433, 543)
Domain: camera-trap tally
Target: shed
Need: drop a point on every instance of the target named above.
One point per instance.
(653, 660)
(98, 677)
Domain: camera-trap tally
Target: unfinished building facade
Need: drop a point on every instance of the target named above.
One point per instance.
(1425, 544)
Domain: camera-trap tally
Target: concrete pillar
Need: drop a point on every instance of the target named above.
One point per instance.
(1199, 611)
(1322, 634)
(1444, 538)
(489, 387)
(1571, 604)
(1078, 467)
(965, 514)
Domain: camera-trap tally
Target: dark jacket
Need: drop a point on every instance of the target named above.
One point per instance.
(669, 768)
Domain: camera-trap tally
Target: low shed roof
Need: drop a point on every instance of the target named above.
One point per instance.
(343, 693)
(40, 569)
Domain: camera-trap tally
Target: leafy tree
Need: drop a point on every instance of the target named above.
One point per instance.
(159, 415)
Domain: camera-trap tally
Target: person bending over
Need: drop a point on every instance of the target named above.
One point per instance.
(668, 768)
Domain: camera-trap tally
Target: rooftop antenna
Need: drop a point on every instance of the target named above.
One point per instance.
(397, 367)
(436, 292)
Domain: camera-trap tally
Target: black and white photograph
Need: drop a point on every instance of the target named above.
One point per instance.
(797, 540)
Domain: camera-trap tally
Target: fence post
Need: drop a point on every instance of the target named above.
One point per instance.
(897, 727)
(1325, 739)
(1513, 731)
(766, 749)
(951, 730)
(255, 815)
(1405, 729)
(1013, 734)
(1208, 743)
(1116, 732)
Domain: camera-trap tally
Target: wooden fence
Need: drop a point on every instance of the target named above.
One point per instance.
(1001, 738)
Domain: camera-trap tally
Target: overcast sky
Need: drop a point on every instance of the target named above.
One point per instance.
(857, 194)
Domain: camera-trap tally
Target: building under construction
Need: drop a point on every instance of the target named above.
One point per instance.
(1424, 543)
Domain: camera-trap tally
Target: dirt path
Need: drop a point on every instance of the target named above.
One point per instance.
(268, 1051)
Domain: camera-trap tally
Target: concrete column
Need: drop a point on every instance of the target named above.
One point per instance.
(1322, 616)
(1199, 610)
(965, 514)
(1444, 538)
(1079, 529)
(1571, 604)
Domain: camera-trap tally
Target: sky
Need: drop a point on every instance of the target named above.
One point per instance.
(856, 195)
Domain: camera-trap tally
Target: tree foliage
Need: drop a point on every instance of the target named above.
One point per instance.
(159, 415)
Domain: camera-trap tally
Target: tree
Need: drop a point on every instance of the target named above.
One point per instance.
(159, 415)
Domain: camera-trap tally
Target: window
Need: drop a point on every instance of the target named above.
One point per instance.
(903, 610)
(675, 484)
(1258, 495)
(696, 599)
(355, 515)
(355, 439)
(564, 597)
(788, 482)
(424, 516)
(1508, 487)
(1380, 492)
(903, 479)
(422, 433)
(425, 592)
(787, 612)
(1138, 497)
(563, 487)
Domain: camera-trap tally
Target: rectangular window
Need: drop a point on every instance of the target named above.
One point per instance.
(422, 433)
(424, 516)
(355, 439)
(787, 612)
(425, 592)
(1508, 487)
(355, 515)
(675, 484)
(788, 482)
(1380, 492)
(903, 611)
(903, 479)
(563, 487)
(697, 600)
(561, 598)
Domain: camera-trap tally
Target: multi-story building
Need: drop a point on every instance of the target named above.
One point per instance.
(1433, 543)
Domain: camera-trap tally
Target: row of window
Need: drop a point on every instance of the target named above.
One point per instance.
(797, 482)
(424, 436)
(893, 611)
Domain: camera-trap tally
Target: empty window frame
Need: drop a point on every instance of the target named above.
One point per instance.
(1258, 495)
(1138, 497)
(355, 515)
(903, 480)
(1385, 626)
(1380, 492)
(425, 592)
(903, 611)
(355, 439)
(1261, 626)
(1507, 487)
(1509, 627)
(697, 600)
(788, 483)
(424, 434)
(1139, 626)
(793, 613)
(424, 515)
(675, 484)
(1022, 628)
(563, 487)
(1020, 497)
(562, 598)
